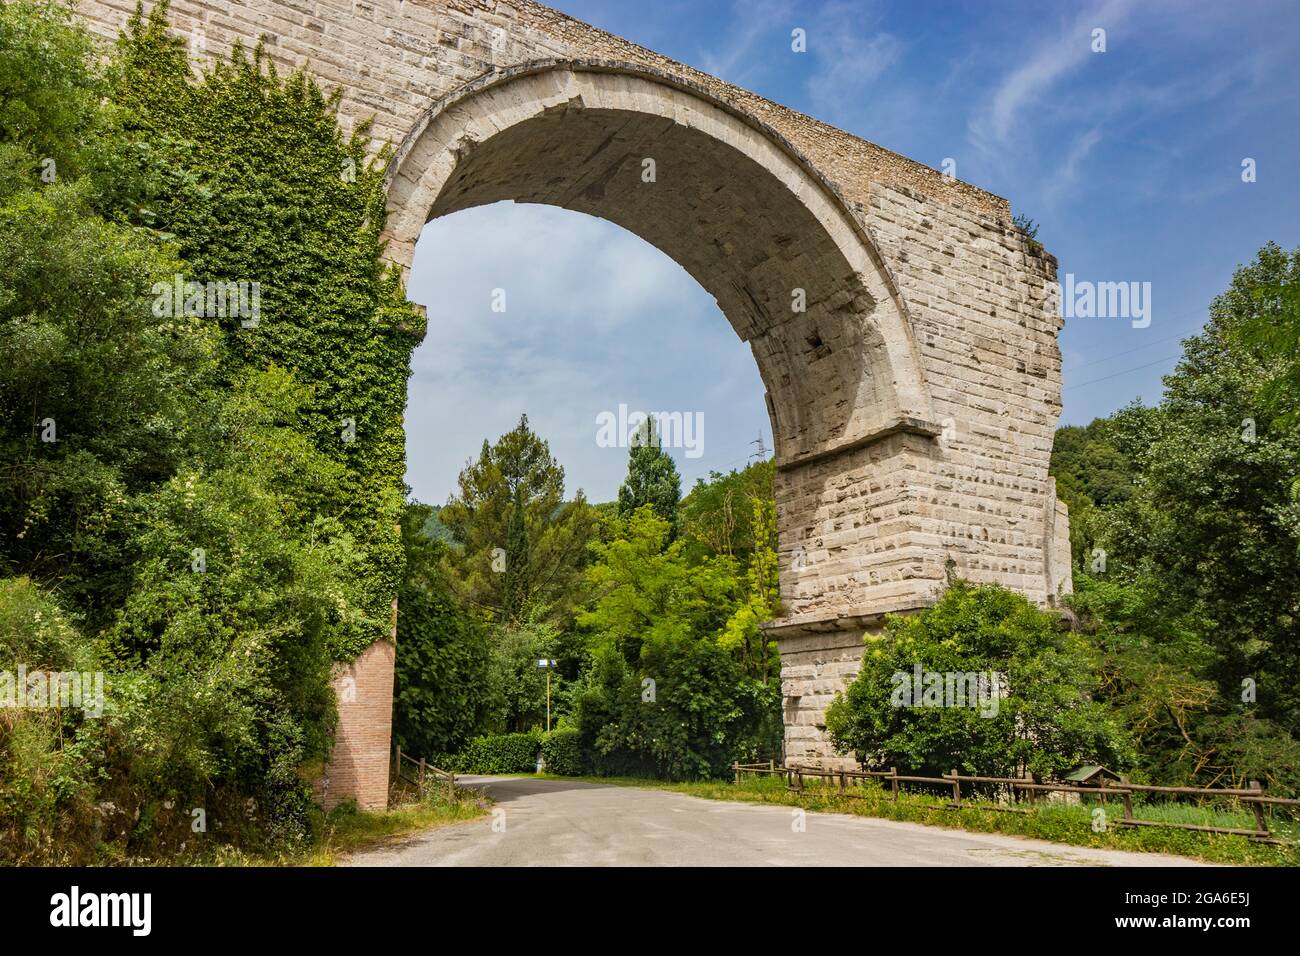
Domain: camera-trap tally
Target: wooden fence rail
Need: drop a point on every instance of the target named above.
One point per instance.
(1253, 796)
(422, 769)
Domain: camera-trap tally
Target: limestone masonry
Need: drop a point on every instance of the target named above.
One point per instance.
(905, 331)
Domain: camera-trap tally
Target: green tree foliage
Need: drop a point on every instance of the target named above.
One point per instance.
(213, 545)
(1091, 472)
(1212, 526)
(254, 182)
(517, 685)
(717, 516)
(53, 123)
(442, 691)
(1153, 667)
(662, 694)
(96, 392)
(1046, 722)
(743, 633)
(519, 546)
(1196, 606)
(652, 477)
(1268, 327)
(244, 593)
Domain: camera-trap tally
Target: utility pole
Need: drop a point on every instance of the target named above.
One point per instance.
(761, 454)
(548, 665)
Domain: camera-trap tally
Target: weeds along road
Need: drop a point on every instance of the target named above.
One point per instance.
(562, 823)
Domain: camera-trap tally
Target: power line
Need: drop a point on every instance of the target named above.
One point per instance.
(1139, 348)
(1125, 372)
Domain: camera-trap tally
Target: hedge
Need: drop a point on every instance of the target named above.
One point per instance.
(518, 753)
(498, 753)
(562, 751)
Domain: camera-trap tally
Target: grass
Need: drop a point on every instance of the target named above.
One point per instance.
(1069, 824)
(347, 829)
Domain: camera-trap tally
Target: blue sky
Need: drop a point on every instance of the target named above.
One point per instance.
(1130, 160)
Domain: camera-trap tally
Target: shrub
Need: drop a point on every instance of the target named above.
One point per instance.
(1045, 719)
(498, 754)
(562, 751)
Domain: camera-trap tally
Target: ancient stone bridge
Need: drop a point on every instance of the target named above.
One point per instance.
(904, 329)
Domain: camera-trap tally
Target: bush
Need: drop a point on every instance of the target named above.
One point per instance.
(499, 754)
(1044, 720)
(562, 751)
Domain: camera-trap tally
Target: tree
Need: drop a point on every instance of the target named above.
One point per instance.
(717, 516)
(1091, 472)
(441, 694)
(662, 694)
(1034, 711)
(96, 391)
(249, 177)
(743, 632)
(519, 547)
(1212, 526)
(155, 470)
(651, 477)
(1269, 326)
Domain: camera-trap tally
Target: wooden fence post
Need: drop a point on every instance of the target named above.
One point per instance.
(736, 767)
(422, 766)
(1261, 822)
(956, 789)
(893, 775)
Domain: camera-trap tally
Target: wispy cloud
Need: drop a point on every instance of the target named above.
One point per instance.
(1067, 174)
(740, 59)
(850, 56)
(1050, 61)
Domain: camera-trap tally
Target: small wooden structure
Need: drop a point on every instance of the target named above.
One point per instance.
(1091, 775)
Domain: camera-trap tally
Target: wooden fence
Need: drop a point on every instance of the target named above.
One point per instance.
(1253, 796)
(418, 772)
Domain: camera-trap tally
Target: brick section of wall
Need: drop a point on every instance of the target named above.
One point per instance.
(358, 767)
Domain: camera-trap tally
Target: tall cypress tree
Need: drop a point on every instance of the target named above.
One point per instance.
(651, 477)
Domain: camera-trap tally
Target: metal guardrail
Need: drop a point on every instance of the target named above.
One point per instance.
(1254, 796)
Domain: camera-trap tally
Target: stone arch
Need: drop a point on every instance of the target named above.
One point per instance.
(731, 201)
(871, 507)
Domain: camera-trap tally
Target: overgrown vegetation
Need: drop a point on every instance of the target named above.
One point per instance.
(183, 509)
(203, 506)
(1036, 710)
(1185, 528)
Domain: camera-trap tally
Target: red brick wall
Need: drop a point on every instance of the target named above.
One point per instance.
(358, 767)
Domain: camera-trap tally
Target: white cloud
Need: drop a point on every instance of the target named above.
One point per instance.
(594, 317)
(736, 61)
(1043, 67)
(849, 58)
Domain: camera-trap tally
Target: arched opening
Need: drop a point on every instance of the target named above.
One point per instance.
(794, 273)
(580, 324)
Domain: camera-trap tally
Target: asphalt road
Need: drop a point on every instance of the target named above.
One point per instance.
(562, 823)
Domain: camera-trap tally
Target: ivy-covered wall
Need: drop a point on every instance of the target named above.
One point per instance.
(254, 181)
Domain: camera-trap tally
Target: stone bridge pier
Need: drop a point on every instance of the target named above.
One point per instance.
(904, 329)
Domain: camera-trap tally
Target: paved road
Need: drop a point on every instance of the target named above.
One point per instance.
(562, 823)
